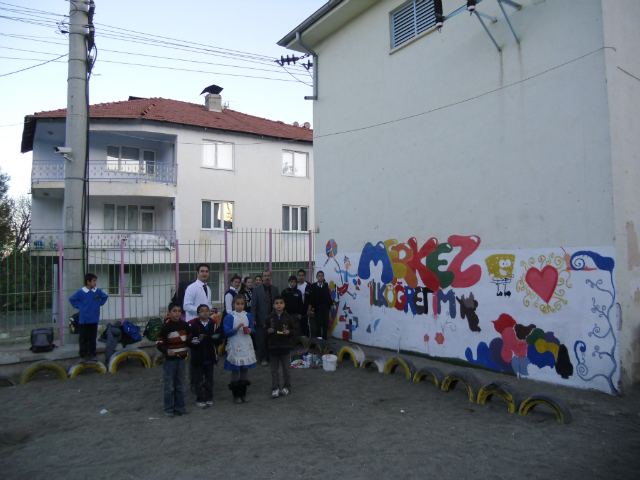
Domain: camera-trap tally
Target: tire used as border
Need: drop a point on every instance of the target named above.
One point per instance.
(400, 361)
(429, 372)
(40, 366)
(6, 381)
(504, 390)
(120, 355)
(469, 380)
(563, 414)
(355, 352)
(376, 360)
(80, 366)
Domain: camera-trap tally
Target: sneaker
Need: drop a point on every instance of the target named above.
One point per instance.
(245, 399)
(237, 400)
(284, 391)
(168, 414)
(181, 412)
(209, 403)
(264, 363)
(275, 393)
(201, 405)
(93, 358)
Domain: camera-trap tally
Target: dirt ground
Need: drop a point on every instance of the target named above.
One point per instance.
(351, 423)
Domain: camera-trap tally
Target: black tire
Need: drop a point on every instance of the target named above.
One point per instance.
(80, 366)
(6, 381)
(301, 340)
(563, 414)
(429, 372)
(319, 344)
(355, 352)
(31, 370)
(376, 360)
(400, 361)
(120, 355)
(504, 390)
(469, 380)
(332, 348)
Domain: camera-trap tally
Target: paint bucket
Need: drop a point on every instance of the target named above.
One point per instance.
(329, 362)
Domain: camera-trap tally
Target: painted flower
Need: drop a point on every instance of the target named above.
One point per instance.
(426, 337)
(439, 338)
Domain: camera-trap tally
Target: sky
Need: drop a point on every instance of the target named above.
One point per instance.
(249, 26)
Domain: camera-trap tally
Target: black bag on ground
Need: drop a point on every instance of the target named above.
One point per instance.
(151, 331)
(42, 340)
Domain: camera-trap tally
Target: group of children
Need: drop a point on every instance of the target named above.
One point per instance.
(200, 341)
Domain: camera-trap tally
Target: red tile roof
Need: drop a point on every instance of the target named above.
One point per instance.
(183, 113)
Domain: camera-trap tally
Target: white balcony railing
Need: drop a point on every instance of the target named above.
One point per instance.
(110, 171)
(108, 239)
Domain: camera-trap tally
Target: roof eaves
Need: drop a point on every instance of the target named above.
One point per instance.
(317, 15)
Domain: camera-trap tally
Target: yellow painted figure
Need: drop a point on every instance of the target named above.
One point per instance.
(500, 266)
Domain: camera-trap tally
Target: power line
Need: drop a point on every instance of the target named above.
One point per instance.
(33, 9)
(460, 101)
(34, 66)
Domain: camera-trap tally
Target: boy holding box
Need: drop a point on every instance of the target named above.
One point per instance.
(281, 328)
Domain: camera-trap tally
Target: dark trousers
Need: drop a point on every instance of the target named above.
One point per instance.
(305, 326)
(261, 343)
(276, 361)
(203, 377)
(87, 341)
(322, 321)
(173, 376)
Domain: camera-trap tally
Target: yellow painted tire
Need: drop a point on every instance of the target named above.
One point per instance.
(563, 415)
(376, 360)
(40, 366)
(120, 355)
(507, 392)
(302, 340)
(6, 381)
(426, 372)
(317, 343)
(332, 348)
(80, 366)
(469, 380)
(157, 360)
(353, 351)
(400, 361)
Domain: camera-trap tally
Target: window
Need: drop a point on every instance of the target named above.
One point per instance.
(130, 160)
(132, 218)
(218, 155)
(217, 214)
(132, 280)
(411, 20)
(294, 219)
(294, 164)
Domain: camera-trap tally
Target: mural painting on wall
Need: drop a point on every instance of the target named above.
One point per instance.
(451, 299)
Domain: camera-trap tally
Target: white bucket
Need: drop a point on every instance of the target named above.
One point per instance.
(329, 362)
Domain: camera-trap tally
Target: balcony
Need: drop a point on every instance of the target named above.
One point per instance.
(136, 171)
(43, 240)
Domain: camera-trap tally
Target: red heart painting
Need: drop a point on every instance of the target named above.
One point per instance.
(543, 282)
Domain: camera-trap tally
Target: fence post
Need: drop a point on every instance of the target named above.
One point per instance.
(60, 306)
(310, 250)
(122, 276)
(226, 259)
(270, 238)
(177, 266)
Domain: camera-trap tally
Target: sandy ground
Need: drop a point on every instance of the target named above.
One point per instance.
(344, 424)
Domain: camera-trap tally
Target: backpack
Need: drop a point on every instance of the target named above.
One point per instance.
(42, 340)
(151, 331)
(133, 331)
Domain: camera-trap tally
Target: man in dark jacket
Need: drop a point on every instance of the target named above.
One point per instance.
(281, 328)
(321, 302)
(207, 335)
(261, 307)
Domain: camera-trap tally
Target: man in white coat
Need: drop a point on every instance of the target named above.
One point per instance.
(198, 293)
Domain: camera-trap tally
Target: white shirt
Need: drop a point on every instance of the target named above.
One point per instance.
(86, 290)
(302, 287)
(228, 299)
(194, 297)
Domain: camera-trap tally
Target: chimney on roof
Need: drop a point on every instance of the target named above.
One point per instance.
(213, 102)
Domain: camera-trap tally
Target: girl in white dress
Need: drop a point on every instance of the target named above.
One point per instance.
(238, 327)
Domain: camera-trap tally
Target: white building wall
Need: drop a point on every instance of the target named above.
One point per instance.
(507, 155)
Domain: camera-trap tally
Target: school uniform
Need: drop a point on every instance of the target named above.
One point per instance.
(88, 303)
(321, 302)
(305, 322)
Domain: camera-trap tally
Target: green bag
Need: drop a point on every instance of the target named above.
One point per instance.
(151, 331)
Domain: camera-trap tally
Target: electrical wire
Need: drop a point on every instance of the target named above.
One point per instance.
(34, 66)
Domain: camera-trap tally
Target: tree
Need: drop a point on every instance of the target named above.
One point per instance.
(6, 235)
(20, 222)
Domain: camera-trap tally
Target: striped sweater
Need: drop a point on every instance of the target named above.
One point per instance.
(175, 336)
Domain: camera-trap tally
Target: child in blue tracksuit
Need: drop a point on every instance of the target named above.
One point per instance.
(88, 301)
